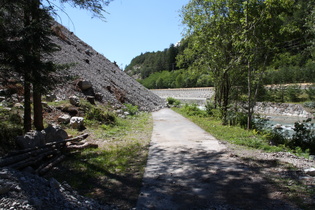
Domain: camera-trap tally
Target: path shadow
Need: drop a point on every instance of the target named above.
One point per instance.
(187, 178)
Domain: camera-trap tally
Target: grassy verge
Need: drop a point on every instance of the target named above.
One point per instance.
(112, 173)
(232, 134)
(285, 178)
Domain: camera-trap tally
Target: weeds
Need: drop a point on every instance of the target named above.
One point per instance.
(113, 172)
(172, 102)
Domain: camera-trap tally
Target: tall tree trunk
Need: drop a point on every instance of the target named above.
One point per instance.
(249, 111)
(27, 77)
(27, 104)
(38, 110)
(37, 97)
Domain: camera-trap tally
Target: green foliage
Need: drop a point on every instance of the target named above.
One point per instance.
(232, 134)
(101, 115)
(304, 136)
(177, 79)
(173, 102)
(310, 104)
(151, 62)
(119, 160)
(276, 137)
(311, 92)
(131, 109)
(10, 127)
(210, 108)
(193, 110)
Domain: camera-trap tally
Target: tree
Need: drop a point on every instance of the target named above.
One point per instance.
(237, 39)
(27, 46)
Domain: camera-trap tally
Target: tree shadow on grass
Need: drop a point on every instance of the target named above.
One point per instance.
(106, 183)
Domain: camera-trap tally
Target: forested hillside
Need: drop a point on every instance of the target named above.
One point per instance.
(275, 39)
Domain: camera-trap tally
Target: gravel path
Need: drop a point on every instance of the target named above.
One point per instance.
(188, 168)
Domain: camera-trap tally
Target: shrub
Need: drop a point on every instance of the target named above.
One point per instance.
(311, 92)
(210, 108)
(173, 102)
(310, 104)
(133, 110)
(304, 136)
(193, 110)
(10, 127)
(103, 116)
(276, 137)
(293, 93)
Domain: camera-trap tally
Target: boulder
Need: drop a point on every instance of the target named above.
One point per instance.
(51, 97)
(84, 85)
(18, 105)
(65, 119)
(91, 99)
(55, 133)
(31, 139)
(310, 171)
(77, 122)
(73, 111)
(74, 100)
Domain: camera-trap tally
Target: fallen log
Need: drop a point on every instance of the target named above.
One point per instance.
(14, 159)
(45, 168)
(43, 158)
(50, 144)
(32, 160)
(83, 146)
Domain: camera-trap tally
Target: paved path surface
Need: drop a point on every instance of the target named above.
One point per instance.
(188, 168)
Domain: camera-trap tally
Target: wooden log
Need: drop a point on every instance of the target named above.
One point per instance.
(50, 164)
(14, 159)
(51, 144)
(32, 160)
(83, 146)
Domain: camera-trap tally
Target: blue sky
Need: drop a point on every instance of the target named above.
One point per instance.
(132, 27)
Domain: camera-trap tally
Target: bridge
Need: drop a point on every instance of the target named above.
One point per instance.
(187, 95)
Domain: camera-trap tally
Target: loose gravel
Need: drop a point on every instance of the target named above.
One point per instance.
(21, 190)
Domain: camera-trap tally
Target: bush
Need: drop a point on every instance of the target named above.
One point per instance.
(210, 108)
(193, 110)
(131, 109)
(10, 127)
(276, 137)
(310, 104)
(173, 102)
(293, 93)
(304, 136)
(103, 116)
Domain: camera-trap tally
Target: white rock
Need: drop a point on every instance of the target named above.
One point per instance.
(310, 171)
(64, 118)
(18, 105)
(77, 122)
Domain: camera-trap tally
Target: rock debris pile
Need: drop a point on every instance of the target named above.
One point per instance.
(98, 77)
(19, 190)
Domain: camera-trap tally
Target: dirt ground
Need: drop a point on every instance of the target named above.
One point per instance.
(189, 169)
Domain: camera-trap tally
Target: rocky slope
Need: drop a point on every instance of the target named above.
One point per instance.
(110, 84)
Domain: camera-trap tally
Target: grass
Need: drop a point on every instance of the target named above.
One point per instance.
(113, 172)
(283, 176)
(232, 134)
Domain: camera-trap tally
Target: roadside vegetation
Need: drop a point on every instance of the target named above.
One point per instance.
(301, 143)
(112, 173)
(249, 143)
